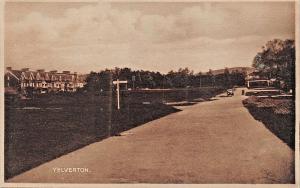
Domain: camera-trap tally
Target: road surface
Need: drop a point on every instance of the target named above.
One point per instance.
(210, 142)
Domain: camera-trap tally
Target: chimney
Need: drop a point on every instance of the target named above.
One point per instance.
(66, 72)
(8, 68)
(41, 70)
(25, 69)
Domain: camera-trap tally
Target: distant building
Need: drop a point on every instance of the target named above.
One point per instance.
(258, 83)
(40, 81)
(257, 80)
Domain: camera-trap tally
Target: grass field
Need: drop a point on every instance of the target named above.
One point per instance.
(278, 115)
(48, 126)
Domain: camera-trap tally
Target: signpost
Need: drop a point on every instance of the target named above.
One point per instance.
(118, 82)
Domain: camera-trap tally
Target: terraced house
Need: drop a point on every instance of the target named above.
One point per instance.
(25, 81)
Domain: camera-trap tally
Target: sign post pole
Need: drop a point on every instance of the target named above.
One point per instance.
(118, 82)
(118, 93)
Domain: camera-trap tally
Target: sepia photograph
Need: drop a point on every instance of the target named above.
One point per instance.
(128, 92)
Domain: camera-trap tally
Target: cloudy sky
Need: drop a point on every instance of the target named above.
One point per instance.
(151, 36)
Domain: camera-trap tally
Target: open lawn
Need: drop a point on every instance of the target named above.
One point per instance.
(48, 126)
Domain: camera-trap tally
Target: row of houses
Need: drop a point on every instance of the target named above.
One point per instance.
(40, 81)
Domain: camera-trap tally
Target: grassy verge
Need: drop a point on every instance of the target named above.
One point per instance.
(49, 126)
(278, 115)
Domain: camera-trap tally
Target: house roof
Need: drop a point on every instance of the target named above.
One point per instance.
(28, 75)
(15, 73)
(41, 75)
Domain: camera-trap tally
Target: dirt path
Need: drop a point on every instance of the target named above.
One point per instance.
(210, 142)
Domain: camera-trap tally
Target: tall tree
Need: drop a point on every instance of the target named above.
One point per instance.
(92, 82)
(277, 60)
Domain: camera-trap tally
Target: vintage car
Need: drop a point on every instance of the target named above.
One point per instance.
(230, 92)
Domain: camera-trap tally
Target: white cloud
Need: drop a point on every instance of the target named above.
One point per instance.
(98, 36)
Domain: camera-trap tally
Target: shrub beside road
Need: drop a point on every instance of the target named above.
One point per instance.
(278, 116)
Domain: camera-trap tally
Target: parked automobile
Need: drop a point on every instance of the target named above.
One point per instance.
(230, 92)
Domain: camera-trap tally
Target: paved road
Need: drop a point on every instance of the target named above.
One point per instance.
(210, 142)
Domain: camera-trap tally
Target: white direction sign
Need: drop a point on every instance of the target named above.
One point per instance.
(118, 82)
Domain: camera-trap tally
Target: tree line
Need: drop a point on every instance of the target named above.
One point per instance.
(277, 61)
(182, 78)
